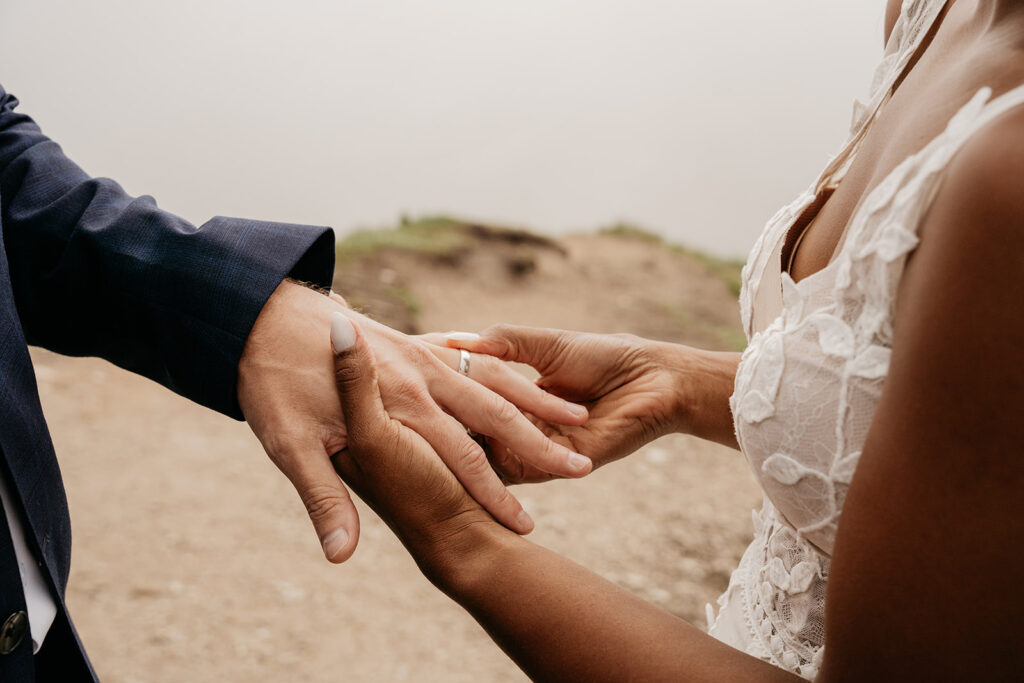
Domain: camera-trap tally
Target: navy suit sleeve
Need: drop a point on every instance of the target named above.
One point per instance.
(97, 272)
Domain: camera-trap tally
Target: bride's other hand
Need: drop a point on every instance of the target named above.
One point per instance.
(635, 390)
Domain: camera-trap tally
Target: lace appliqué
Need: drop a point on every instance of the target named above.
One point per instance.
(780, 588)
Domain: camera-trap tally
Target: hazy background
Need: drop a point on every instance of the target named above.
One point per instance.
(693, 119)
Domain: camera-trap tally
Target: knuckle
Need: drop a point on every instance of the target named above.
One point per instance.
(347, 375)
(551, 451)
(505, 339)
(503, 413)
(471, 461)
(402, 386)
(322, 501)
(404, 391)
(420, 355)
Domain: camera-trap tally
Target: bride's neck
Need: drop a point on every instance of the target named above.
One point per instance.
(996, 15)
(989, 21)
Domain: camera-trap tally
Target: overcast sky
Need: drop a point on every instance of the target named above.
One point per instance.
(694, 119)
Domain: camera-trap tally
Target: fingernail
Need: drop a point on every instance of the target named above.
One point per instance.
(334, 542)
(343, 334)
(578, 462)
(524, 520)
(462, 336)
(577, 410)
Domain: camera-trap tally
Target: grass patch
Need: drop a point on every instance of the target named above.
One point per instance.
(444, 235)
(632, 231)
(434, 235)
(728, 270)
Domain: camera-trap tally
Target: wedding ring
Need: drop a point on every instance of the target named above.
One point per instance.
(464, 369)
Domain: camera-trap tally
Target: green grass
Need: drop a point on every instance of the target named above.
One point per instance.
(632, 231)
(444, 235)
(726, 269)
(435, 235)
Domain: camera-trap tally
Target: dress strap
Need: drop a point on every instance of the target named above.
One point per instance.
(915, 22)
(1000, 105)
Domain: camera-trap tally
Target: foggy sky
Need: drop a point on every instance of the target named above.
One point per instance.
(694, 119)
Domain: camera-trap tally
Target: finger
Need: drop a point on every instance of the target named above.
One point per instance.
(326, 499)
(526, 395)
(504, 380)
(355, 372)
(530, 345)
(487, 413)
(467, 461)
(513, 469)
(435, 338)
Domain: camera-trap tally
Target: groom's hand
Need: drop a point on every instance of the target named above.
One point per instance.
(284, 389)
(289, 396)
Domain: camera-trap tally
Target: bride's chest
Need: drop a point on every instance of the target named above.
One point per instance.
(805, 394)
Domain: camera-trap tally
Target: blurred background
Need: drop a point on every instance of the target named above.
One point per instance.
(601, 165)
(693, 119)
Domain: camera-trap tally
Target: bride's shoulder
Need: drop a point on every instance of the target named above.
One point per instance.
(971, 249)
(981, 185)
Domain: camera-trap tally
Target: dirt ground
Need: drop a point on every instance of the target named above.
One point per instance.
(194, 560)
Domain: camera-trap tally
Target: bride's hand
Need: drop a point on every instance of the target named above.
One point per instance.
(629, 385)
(390, 466)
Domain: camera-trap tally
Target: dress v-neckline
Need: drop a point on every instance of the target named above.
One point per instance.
(825, 185)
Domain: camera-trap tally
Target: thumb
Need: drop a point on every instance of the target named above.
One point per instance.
(535, 346)
(327, 501)
(355, 371)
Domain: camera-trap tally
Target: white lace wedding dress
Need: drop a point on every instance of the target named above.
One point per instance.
(811, 376)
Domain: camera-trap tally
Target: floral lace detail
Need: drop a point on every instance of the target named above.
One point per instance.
(809, 381)
(780, 587)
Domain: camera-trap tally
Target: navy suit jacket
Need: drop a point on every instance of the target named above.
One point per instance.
(87, 270)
